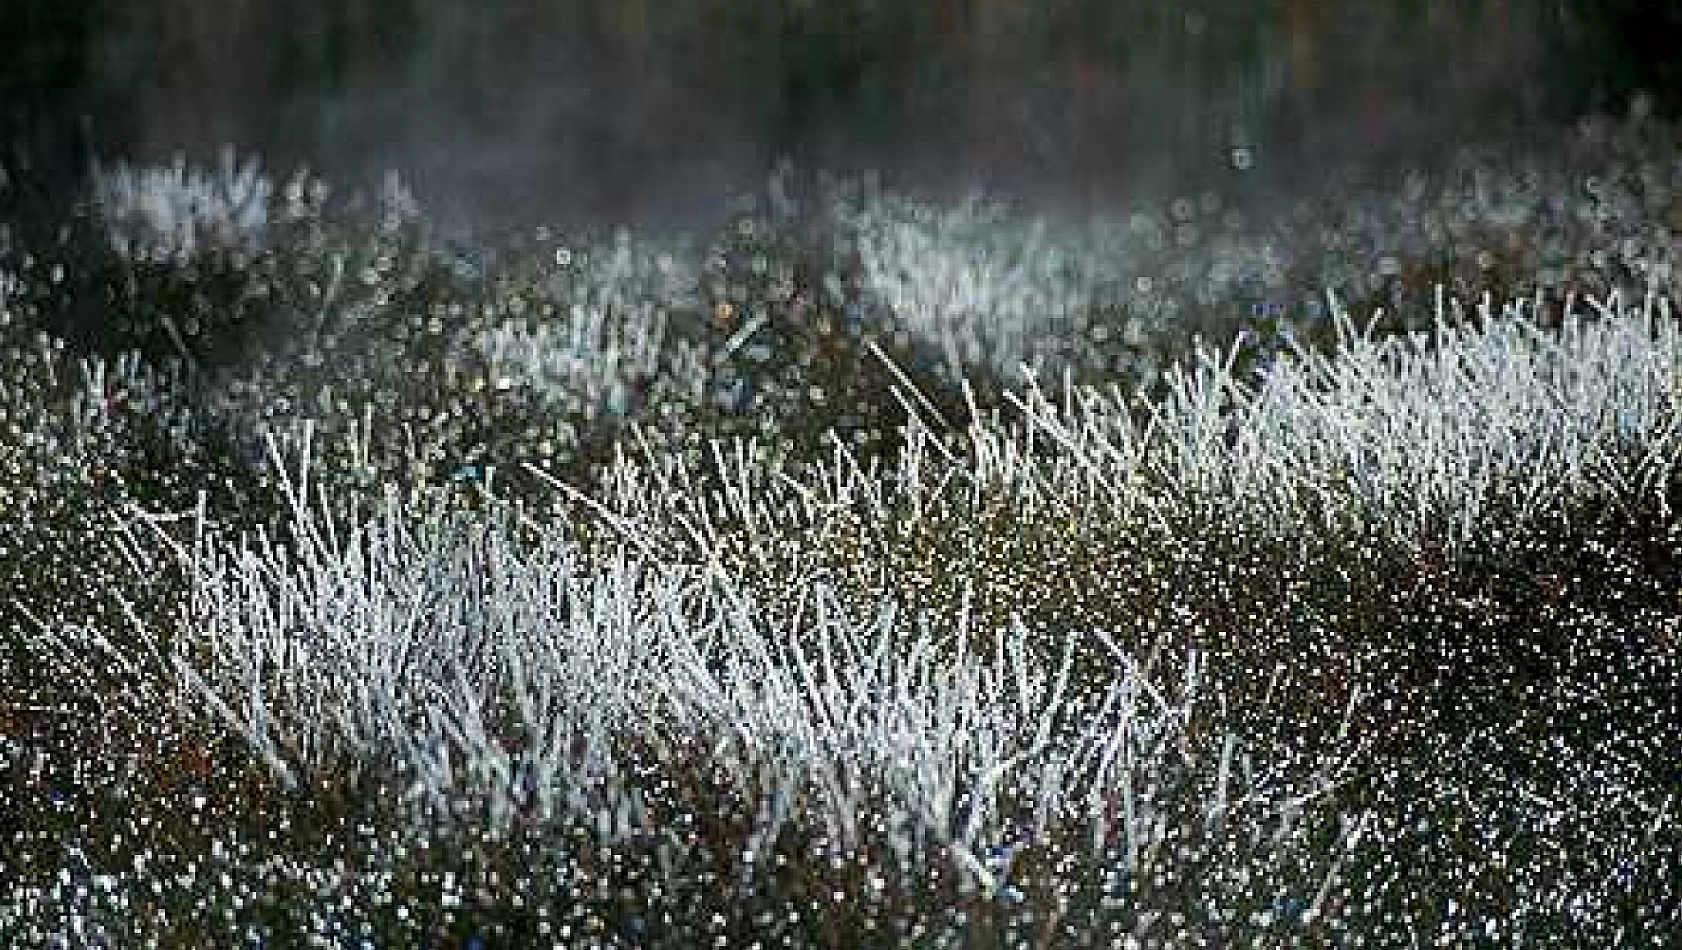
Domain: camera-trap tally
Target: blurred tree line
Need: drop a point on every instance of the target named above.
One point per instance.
(616, 87)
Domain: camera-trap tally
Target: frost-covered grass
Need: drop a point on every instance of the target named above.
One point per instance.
(171, 212)
(378, 590)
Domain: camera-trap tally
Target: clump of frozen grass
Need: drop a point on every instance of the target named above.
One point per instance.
(1415, 435)
(982, 292)
(519, 680)
(992, 287)
(171, 212)
(1425, 432)
(590, 329)
(597, 359)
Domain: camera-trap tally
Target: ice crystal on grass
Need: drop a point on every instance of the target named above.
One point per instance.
(174, 211)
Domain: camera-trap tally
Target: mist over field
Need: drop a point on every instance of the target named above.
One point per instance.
(594, 111)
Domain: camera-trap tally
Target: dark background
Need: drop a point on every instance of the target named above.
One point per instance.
(629, 108)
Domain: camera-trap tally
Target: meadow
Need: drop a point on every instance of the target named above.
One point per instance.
(867, 569)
